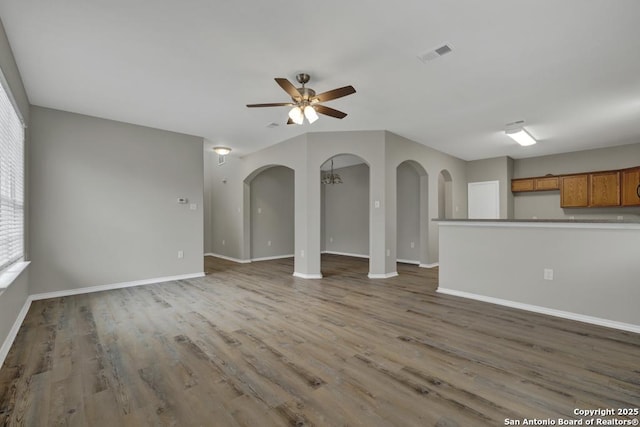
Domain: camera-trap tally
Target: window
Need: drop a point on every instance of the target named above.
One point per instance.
(11, 181)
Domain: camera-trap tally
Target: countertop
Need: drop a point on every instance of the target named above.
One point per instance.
(587, 223)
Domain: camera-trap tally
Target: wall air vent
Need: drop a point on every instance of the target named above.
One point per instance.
(435, 53)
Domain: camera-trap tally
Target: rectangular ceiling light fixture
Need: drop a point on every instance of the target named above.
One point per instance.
(519, 134)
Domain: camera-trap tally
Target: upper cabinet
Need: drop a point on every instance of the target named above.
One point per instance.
(574, 191)
(630, 187)
(591, 189)
(525, 184)
(544, 183)
(604, 189)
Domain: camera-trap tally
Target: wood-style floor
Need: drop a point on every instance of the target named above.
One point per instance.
(250, 345)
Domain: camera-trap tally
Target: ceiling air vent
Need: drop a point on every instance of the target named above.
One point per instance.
(435, 53)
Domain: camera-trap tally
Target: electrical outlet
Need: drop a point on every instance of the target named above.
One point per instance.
(620, 217)
(330, 239)
(548, 274)
(193, 206)
(259, 210)
(388, 252)
(413, 245)
(268, 242)
(180, 254)
(302, 253)
(376, 204)
(224, 242)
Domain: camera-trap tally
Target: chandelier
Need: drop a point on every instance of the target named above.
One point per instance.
(331, 178)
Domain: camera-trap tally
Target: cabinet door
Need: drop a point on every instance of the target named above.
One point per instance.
(604, 189)
(574, 191)
(546, 183)
(631, 187)
(525, 184)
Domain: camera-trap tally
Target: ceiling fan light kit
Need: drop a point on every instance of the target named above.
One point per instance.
(223, 151)
(296, 115)
(305, 102)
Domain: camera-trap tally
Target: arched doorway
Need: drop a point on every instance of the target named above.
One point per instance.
(412, 213)
(344, 210)
(269, 202)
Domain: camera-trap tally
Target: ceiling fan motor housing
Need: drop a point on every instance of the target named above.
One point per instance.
(306, 93)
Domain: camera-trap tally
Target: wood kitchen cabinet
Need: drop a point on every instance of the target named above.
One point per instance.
(574, 191)
(630, 179)
(546, 183)
(518, 185)
(604, 189)
(600, 189)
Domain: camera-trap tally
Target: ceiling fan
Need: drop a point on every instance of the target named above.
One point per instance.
(305, 102)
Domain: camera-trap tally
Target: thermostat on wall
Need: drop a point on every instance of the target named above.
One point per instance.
(182, 200)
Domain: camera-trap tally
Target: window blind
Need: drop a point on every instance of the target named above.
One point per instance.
(11, 182)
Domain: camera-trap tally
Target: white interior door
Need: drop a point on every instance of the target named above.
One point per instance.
(484, 200)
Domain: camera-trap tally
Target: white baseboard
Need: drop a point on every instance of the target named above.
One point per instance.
(307, 276)
(345, 254)
(78, 291)
(544, 310)
(432, 265)
(383, 275)
(269, 258)
(408, 261)
(8, 342)
(228, 258)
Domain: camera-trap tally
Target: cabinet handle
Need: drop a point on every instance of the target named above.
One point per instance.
(638, 190)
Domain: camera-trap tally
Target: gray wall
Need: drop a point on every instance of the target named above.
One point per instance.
(12, 300)
(210, 159)
(382, 151)
(596, 267)
(400, 149)
(547, 204)
(346, 212)
(408, 231)
(272, 213)
(495, 169)
(103, 202)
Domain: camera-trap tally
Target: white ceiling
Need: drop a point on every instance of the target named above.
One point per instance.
(570, 69)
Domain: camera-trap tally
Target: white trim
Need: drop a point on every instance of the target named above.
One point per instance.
(543, 310)
(13, 333)
(7, 89)
(432, 265)
(542, 224)
(8, 276)
(269, 258)
(307, 276)
(408, 261)
(89, 289)
(345, 254)
(383, 275)
(228, 258)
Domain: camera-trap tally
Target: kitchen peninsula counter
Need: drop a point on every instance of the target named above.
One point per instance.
(586, 270)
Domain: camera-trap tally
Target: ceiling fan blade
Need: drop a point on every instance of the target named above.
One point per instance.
(330, 111)
(289, 88)
(334, 94)
(273, 104)
(290, 122)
